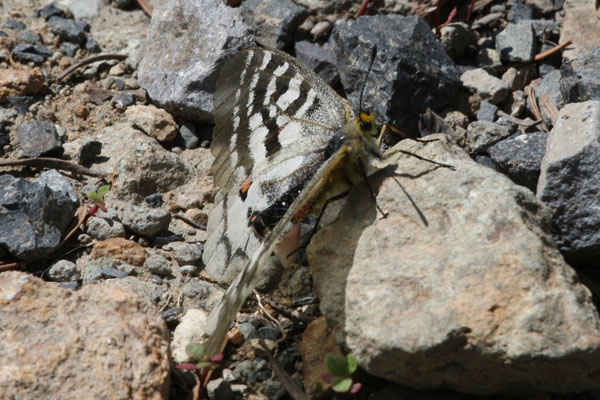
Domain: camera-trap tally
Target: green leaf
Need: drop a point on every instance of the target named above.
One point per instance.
(341, 385)
(93, 196)
(336, 366)
(352, 363)
(195, 350)
(102, 191)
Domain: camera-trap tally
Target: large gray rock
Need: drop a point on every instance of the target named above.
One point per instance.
(570, 179)
(35, 215)
(187, 42)
(106, 343)
(459, 286)
(405, 47)
(579, 78)
(146, 221)
(275, 20)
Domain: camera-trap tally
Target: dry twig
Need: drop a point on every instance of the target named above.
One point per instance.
(145, 6)
(57, 163)
(517, 121)
(536, 111)
(89, 60)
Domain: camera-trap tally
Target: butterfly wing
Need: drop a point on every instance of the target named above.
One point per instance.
(274, 119)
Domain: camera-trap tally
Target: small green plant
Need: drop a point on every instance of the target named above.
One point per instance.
(97, 198)
(340, 372)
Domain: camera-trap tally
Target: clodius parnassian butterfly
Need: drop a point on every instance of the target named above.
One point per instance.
(284, 144)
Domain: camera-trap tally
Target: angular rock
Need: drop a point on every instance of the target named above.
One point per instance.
(570, 179)
(17, 82)
(519, 12)
(50, 10)
(146, 221)
(517, 42)
(69, 30)
(31, 52)
(187, 332)
(29, 37)
(465, 293)
(151, 292)
(37, 138)
(34, 217)
(582, 28)
(405, 47)
(483, 134)
(186, 253)
(119, 338)
(153, 121)
(14, 25)
(188, 137)
(455, 38)
(487, 112)
(579, 78)
(158, 265)
(320, 59)
(59, 184)
(275, 21)
(123, 100)
(488, 87)
(520, 157)
(184, 86)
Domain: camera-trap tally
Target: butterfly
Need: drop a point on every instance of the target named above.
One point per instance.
(285, 144)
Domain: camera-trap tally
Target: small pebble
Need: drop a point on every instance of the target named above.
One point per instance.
(123, 100)
(14, 25)
(189, 270)
(270, 333)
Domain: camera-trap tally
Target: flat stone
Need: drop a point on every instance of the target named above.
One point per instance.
(488, 87)
(520, 157)
(19, 82)
(275, 21)
(37, 138)
(34, 216)
(158, 265)
(569, 181)
(516, 42)
(582, 28)
(146, 221)
(120, 249)
(466, 292)
(184, 86)
(152, 293)
(93, 327)
(186, 253)
(483, 134)
(153, 121)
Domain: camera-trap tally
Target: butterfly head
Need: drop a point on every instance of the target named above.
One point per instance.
(365, 123)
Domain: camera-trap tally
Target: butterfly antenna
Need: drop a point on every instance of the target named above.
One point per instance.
(362, 92)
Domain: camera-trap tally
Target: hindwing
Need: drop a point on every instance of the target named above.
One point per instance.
(274, 119)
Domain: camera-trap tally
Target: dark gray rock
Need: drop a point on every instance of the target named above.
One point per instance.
(517, 42)
(570, 182)
(123, 100)
(406, 48)
(319, 58)
(92, 46)
(219, 389)
(4, 136)
(146, 221)
(520, 157)
(69, 30)
(123, 4)
(31, 52)
(20, 103)
(28, 37)
(34, 217)
(248, 330)
(579, 78)
(154, 200)
(187, 136)
(274, 390)
(69, 48)
(14, 25)
(275, 20)
(37, 138)
(58, 183)
(51, 11)
(88, 153)
(483, 134)
(487, 111)
(288, 359)
(270, 333)
(184, 86)
(518, 11)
